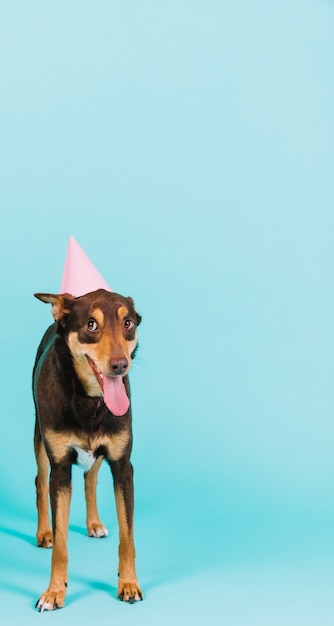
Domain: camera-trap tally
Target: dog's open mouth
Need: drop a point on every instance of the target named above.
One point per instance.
(114, 393)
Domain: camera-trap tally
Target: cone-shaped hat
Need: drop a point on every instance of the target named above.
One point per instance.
(79, 275)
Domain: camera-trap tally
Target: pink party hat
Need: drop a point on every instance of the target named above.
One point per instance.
(79, 275)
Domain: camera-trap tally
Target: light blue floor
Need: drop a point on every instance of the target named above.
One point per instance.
(197, 563)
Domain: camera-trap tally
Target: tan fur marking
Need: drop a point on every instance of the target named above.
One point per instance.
(127, 583)
(81, 365)
(54, 596)
(90, 493)
(126, 546)
(116, 444)
(62, 517)
(122, 312)
(59, 553)
(98, 315)
(60, 443)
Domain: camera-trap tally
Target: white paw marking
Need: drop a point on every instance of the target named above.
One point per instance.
(101, 532)
(44, 606)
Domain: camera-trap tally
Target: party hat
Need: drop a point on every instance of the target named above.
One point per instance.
(80, 275)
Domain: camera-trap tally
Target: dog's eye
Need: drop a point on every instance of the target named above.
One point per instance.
(128, 324)
(92, 325)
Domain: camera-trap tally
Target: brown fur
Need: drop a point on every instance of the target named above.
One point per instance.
(73, 423)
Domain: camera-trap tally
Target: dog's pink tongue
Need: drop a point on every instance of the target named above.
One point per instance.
(114, 395)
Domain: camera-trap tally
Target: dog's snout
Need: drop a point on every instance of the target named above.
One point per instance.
(118, 366)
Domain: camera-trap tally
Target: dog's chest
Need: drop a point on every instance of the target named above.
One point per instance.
(111, 447)
(87, 449)
(85, 458)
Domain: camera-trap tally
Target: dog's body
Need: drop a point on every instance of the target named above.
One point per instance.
(83, 415)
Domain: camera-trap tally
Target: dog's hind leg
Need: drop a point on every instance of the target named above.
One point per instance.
(95, 527)
(44, 532)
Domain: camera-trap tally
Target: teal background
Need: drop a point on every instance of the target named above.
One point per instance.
(188, 147)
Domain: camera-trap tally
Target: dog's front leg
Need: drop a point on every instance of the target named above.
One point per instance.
(128, 587)
(60, 494)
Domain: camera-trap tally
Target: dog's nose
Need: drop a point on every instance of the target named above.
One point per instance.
(118, 366)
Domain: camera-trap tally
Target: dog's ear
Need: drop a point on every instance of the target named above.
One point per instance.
(61, 304)
(138, 317)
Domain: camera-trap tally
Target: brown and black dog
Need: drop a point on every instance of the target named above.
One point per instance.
(83, 415)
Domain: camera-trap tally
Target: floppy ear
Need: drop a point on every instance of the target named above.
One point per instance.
(61, 303)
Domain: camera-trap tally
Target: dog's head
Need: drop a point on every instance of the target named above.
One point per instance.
(100, 329)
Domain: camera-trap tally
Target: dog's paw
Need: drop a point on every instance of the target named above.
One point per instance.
(96, 529)
(51, 600)
(129, 591)
(44, 538)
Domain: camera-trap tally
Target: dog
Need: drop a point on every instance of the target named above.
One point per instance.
(83, 415)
